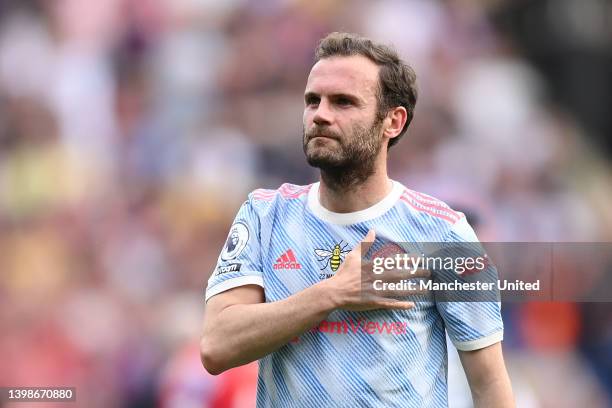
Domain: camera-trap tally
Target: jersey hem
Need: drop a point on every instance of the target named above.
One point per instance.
(479, 343)
(233, 283)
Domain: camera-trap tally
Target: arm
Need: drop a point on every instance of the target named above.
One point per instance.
(239, 327)
(487, 376)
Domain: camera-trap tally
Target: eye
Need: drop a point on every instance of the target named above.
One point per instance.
(342, 101)
(312, 100)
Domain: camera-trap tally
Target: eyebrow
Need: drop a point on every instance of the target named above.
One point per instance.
(351, 97)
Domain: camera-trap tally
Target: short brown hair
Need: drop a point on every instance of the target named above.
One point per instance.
(397, 80)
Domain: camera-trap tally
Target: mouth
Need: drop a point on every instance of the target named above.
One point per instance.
(321, 137)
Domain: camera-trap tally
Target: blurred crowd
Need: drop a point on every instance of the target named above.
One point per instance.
(132, 130)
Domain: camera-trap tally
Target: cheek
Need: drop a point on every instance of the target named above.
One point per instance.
(306, 117)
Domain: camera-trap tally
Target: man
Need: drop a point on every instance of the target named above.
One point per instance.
(289, 292)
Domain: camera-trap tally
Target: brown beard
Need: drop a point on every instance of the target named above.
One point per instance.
(353, 161)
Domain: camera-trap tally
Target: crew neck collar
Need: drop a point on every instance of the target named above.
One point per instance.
(366, 214)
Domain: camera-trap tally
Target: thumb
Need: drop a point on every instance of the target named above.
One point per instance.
(367, 242)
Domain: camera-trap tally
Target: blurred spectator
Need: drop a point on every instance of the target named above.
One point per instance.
(131, 131)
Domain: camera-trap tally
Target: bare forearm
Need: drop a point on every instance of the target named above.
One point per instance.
(488, 378)
(497, 393)
(243, 333)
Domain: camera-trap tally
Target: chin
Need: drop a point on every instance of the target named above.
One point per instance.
(323, 161)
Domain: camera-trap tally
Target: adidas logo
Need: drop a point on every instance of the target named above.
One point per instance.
(287, 261)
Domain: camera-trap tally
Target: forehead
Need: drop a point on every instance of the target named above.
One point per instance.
(355, 74)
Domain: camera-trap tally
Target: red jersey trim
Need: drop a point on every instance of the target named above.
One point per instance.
(287, 191)
(429, 205)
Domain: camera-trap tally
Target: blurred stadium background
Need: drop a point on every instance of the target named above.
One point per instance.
(132, 130)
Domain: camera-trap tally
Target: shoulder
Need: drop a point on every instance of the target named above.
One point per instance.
(286, 192)
(429, 207)
(433, 219)
(271, 203)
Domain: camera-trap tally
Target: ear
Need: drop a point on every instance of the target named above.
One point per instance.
(394, 122)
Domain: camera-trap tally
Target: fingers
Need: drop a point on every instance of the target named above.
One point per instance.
(406, 294)
(398, 305)
(420, 273)
(386, 303)
(394, 275)
(367, 242)
(379, 302)
(397, 293)
(396, 283)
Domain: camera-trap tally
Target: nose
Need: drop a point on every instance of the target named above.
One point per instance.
(322, 115)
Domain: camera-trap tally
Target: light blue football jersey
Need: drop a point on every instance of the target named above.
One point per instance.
(284, 240)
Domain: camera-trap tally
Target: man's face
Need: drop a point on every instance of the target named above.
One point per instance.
(341, 129)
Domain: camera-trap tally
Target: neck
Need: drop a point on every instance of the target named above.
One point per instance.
(357, 196)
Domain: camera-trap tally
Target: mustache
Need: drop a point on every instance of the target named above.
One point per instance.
(321, 132)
